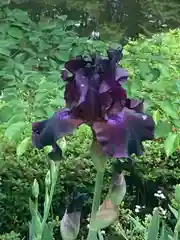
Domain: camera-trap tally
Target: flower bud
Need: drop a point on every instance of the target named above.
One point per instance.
(118, 189)
(48, 179)
(53, 170)
(105, 216)
(70, 223)
(177, 193)
(35, 188)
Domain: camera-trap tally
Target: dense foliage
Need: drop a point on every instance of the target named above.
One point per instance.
(31, 57)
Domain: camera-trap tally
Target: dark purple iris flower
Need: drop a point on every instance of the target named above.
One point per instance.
(94, 95)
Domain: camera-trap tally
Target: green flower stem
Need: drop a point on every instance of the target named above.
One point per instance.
(92, 235)
(48, 206)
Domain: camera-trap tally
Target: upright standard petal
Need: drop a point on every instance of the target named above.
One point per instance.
(122, 134)
(47, 132)
(75, 64)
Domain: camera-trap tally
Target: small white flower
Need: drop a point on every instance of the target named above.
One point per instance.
(78, 24)
(159, 191)
(88, 226)
(103, 232)
(162, 196)
(137, 210)
(156, 195)
(137, 206)
(95, 34)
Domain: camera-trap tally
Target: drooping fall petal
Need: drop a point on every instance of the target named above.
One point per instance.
(122, 134)
(47, 132)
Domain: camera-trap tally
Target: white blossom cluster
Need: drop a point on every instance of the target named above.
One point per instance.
(159, 195)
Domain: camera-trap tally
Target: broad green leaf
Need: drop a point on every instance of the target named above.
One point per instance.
(16, 118)
(22, 146)
(5, 51)
(170, 144)
(21, 15)
(19, 57)
(7, 44)
(14, 130)
(154, 226)
(15, 32)
(144, 69)
(163, 128)
(47, 25)
(169, 109)
(176, 123)
(5, 113)
(62, 55)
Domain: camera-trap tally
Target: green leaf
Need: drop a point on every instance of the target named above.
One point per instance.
(163, 128)
(174, 211)
(170, 144)
(156, 116)
(21, 15)
(7, 44)
(62, 55)
(48, 232)
(163, 234)
(47, 25)
(155, 72)
(22, 146)
(19, 57)
(169, 109)
(5, 52)
(14, 130)
(15, 32)
(154, 226)
(6, 113)
(36, 225)
(144, 69)
(178, 84)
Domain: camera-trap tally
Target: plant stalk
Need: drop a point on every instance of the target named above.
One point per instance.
(92, 235)
(48, 206)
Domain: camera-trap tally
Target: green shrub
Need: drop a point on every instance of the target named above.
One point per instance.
(153, 66)
(10, 236)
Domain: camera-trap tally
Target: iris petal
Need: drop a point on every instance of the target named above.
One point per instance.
(134, 104)
(47, 132)
(75, 64)
(121, 75)
(122, 134)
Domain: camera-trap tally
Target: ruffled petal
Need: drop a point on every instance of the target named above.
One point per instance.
(47, 132)
(75, 64)
(134, 104)
(122, 134)
(121, 75)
